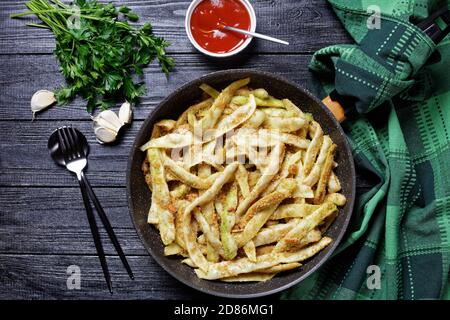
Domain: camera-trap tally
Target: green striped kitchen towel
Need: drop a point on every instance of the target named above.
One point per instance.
(398, 242)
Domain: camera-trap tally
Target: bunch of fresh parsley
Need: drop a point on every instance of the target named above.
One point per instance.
(98, 50)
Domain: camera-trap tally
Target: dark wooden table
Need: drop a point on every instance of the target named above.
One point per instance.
(43, 225)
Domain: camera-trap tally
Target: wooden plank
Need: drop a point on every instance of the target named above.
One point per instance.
(53, 221)
(308, 25)
(57, 240)
(32, 73)
(25, 160)
(54, 207)
(44, 277)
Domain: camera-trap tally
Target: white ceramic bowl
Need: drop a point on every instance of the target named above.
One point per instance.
(187, 26)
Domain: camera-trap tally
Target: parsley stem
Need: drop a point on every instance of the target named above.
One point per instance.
(37, 25)
(22, 14)
(59, 3)
(36, 12)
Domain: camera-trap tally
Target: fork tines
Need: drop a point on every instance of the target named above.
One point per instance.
(68, 139)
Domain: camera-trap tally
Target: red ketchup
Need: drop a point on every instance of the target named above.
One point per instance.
(208, 18)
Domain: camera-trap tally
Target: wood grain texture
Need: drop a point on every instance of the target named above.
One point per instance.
(308, 25)
(32, 73)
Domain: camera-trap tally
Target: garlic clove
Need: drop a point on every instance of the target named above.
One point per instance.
(41, 100)
(105, 135)
(107, 123)
(102, 123)
(108, 119)
(125, 113)
(111, 117)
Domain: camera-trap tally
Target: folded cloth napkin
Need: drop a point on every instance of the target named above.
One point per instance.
(398, 243)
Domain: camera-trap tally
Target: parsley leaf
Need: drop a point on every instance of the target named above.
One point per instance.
(99, 51)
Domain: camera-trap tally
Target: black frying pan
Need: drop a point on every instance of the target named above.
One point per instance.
(171, 108)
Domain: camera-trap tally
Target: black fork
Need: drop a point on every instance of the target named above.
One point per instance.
(72, 145)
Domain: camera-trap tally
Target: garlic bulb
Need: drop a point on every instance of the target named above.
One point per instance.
(41, 100)
(107, 123)
(125, 113)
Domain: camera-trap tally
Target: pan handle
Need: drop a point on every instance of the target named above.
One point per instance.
(336, 108)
